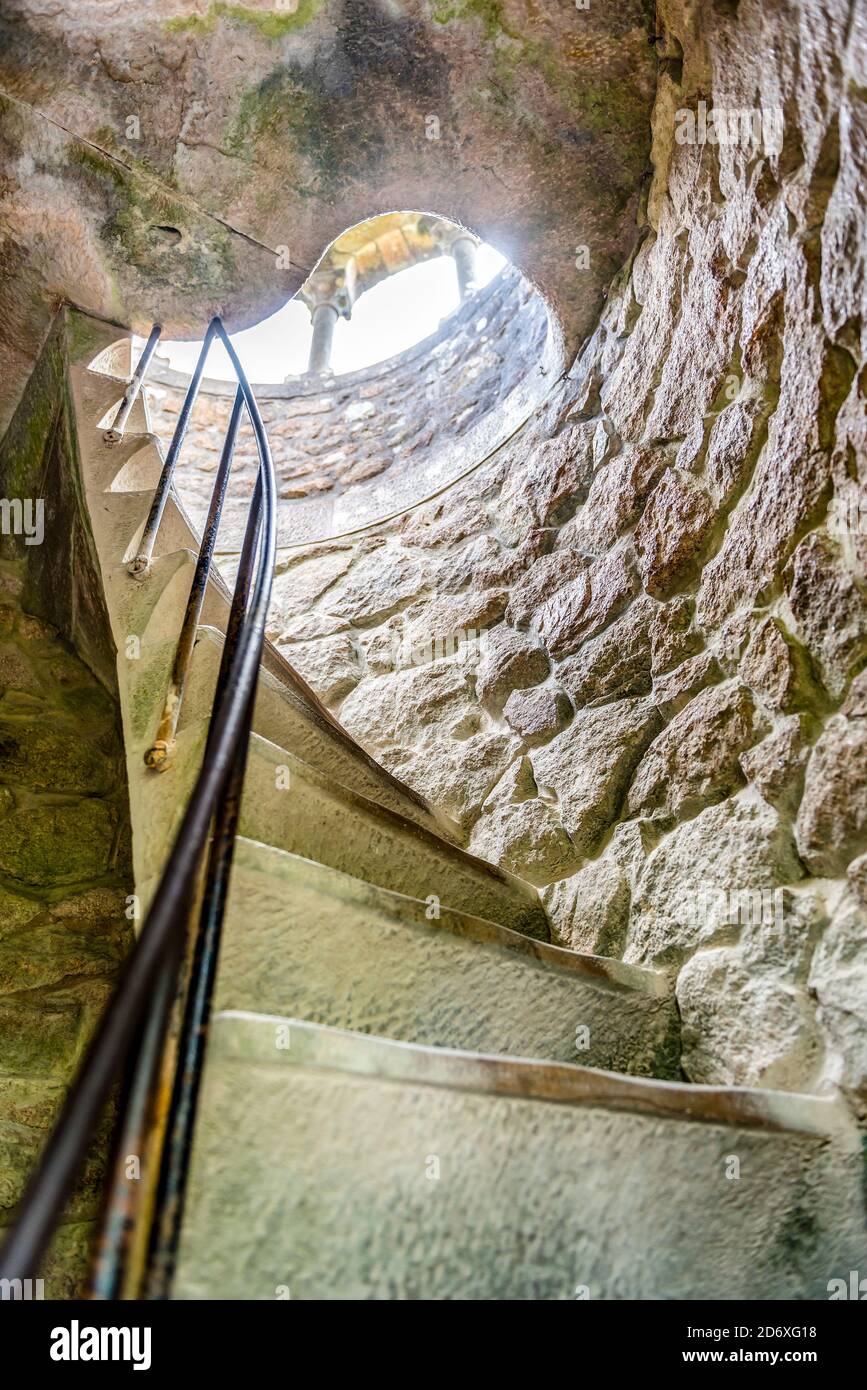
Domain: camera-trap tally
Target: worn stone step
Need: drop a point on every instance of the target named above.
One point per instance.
(348, 1167)
(95, 343)
(153, 609)
(304, 940)
(289, 804)
(293, 806)
(134, 464)
(280, 716)
(118, 520)
(94, 395)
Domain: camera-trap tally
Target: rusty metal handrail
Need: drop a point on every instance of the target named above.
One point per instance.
(213, 802)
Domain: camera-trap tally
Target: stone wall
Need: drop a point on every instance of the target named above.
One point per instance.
(64, 864)
(627, 652)
(354, 448)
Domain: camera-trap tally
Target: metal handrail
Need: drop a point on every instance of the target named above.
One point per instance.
(141, 563)
(158, 753)
(114, 433)
(214, 800)
(197, 1012)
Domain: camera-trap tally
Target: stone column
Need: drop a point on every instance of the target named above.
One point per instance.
(323, 318)
(461, 245)
(328, 296)
(464, 255)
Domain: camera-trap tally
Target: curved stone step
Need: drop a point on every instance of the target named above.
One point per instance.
(347, 1167)
(153, 609)
(133, 464)
(289, 804)
(280, 716)
(141, 471)
(305, 940)
(118, 520)
(94, 393)
(97, 341)
(394, 793)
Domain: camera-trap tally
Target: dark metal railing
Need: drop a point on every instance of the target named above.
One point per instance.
(159, 751)
(169, 956)
(141, 563)
(115, 431)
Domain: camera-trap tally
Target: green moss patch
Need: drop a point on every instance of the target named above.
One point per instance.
(273, 25)
(304, 127)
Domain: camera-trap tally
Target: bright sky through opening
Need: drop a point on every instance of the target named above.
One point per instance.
(386, 320)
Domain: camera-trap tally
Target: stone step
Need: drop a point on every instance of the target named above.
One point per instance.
(309, 814)
(289, 804)
(134, 464)
(97, 344)
(281, 716)
(384, 786)
(336, 1166)
(151, 610)
(118, 520)
(94, 395)
(304, 940)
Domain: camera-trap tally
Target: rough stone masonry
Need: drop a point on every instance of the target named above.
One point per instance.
(378, 435)
(64, 920)
(665, 725)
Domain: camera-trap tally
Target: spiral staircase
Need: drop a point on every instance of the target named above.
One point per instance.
(407, 1091)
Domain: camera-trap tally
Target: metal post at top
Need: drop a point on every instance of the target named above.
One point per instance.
(140, 565)
(114, 433)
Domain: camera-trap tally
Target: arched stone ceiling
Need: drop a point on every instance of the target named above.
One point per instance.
(382, 246)
(173, 158)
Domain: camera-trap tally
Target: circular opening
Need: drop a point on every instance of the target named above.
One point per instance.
(408, 356)
(388, 319)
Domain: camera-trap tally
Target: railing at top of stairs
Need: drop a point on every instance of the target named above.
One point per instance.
(153, 1031)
